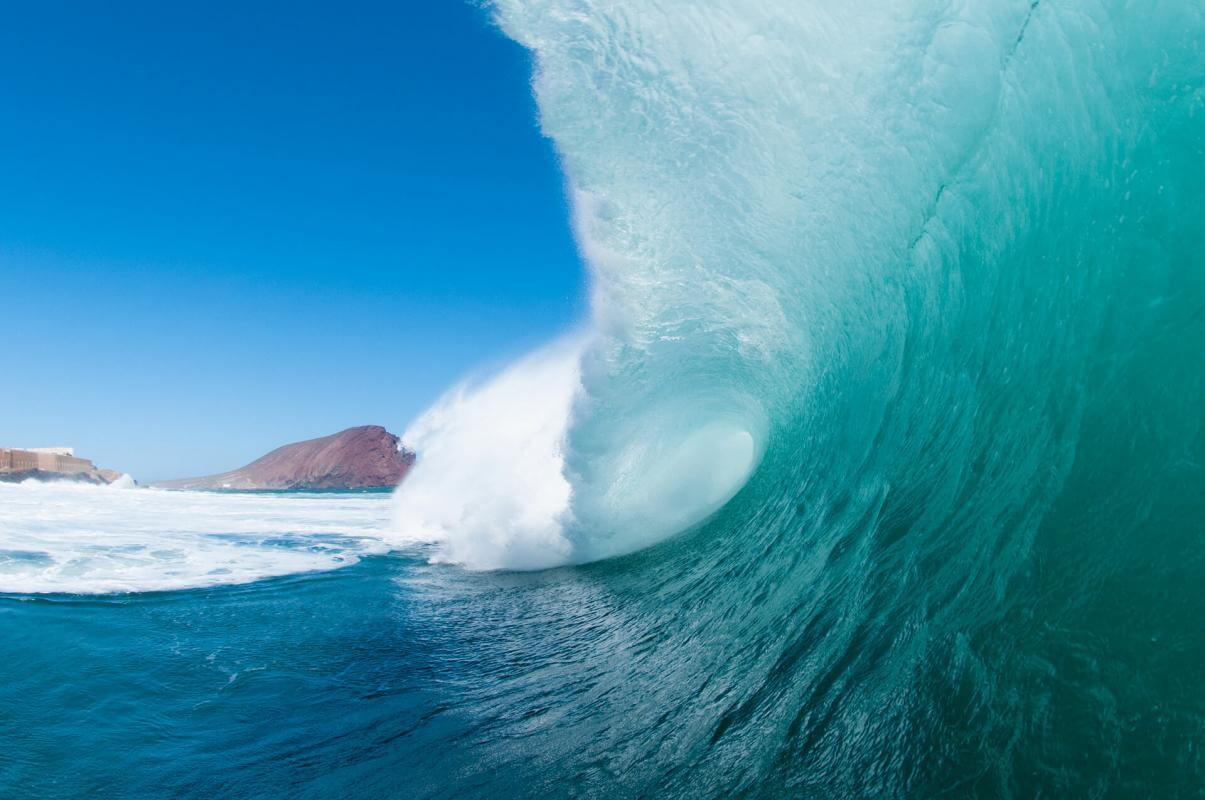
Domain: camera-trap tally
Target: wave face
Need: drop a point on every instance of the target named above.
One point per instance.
(898, 320)
(907, 215)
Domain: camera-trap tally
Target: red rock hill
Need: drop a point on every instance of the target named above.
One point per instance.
(358, 458)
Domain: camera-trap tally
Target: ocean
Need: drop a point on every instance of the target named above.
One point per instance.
(877, 471)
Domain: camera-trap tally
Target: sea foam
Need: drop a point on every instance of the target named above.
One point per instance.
(83, 539)
(489, 488)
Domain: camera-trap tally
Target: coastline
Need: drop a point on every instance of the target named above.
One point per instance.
(98, 477)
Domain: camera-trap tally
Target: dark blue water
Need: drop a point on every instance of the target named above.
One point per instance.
(389, 679)
(304, 686)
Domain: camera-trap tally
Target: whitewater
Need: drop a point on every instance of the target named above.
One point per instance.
(86, 539)
(877, 470)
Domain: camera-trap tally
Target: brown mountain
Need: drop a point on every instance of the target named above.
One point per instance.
(357, 458)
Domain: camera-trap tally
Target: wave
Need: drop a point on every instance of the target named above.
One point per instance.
(891, 395)
(871, 228)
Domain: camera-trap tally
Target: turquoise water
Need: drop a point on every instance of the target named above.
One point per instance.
(879, 472)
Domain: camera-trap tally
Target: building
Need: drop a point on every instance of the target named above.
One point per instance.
(18, 460)
(46, 459)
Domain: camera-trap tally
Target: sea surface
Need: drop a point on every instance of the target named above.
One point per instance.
(878, 470)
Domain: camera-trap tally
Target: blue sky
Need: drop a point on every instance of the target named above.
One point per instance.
(226, 226)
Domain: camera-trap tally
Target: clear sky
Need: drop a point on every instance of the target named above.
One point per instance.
(226, 226)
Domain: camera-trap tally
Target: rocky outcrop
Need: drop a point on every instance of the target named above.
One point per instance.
(366, 457)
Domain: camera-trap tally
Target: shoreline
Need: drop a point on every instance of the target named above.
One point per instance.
(97, 477)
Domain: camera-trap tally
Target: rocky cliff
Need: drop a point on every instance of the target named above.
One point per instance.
(357, 458)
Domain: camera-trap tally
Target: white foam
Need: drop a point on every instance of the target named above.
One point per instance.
(492, 488)
(489, 486)
(57, 537)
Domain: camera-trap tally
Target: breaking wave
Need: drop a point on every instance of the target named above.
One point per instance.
(908, 235)
(896, 348)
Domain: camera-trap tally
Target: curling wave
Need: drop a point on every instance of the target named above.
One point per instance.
(897, 312)
(911, 213)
